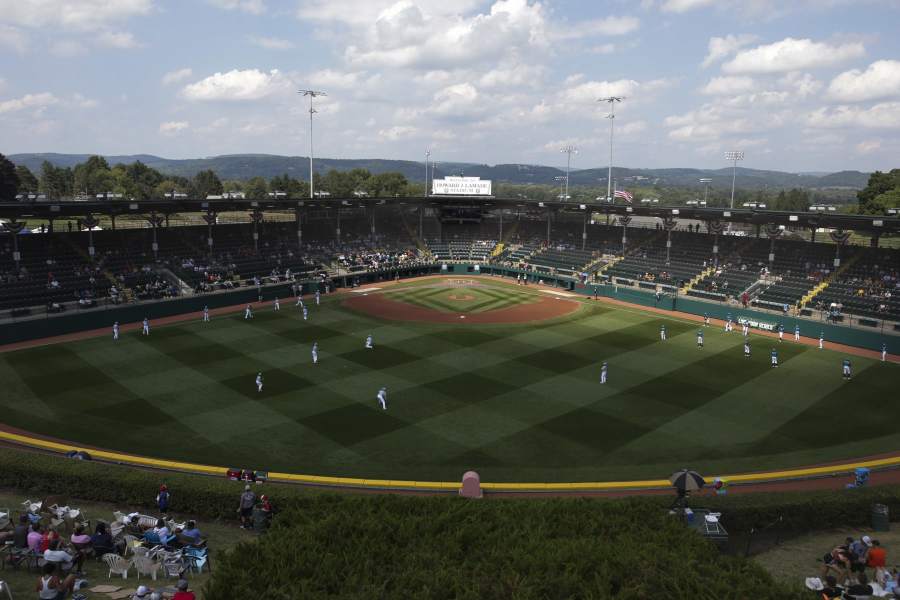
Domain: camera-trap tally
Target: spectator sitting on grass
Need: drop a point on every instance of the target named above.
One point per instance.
(191, 531)
(832, 589)
(183, 593)
(34, 537)
(861, 589)
(60, 557)
(162, 530)
(79, 536)
(51, 587)
(859, 551)
(876, 559)
(102, 541)
(48, 538)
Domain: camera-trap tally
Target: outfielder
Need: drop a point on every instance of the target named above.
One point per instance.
(146, 329)
(277, 305)
(745, 327)
(305, 313)
(369, 342)
(662, 332)
(699, 338)
(774, 357)
(315, 352)
(797, 332)
(248, 313)
(821, 340)
(382, 398)
(746, 348)
(604, 368)
(780, 332)
(705, 320)
(206, 314)
(846, 368)
(883, 351)
(116, 333)
(318, 296)
(728, 326)
(259, 382)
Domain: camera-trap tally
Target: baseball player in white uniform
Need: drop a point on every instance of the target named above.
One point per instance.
(370, 343)
(248, 313)
(277, 305)
(821, 340)
(259, 382)
(883, 351)
(146, 329)
(305, 313)
(206, 314)
(318, 296)
(662, 332)
(315, 352)
(382, 398)
(604, 368)
(116, 331)
(745, 327)
(796, 333)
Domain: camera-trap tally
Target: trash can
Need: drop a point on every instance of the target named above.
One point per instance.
(881, 520)
(260, 520)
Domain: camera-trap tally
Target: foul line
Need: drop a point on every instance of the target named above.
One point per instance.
(446, 486)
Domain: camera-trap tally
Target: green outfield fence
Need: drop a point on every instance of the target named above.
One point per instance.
(101, 318)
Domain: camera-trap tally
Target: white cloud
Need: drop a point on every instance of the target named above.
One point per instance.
(364, 12)
(397, 132)
(172, 128)
(176, 76)
(791, 54)
(802, 85)
(590, 91)
(881, 116)
(253, 7)
(456, 100)
(72, 15)
(513, 76)
(14, 38)
(632, 127)
(723, 47)
(680, 6)
(67, 48)
(249, 84)
(880, 80)
(120, 39)
(726, 86)
(36, 101)
(608, 26)
(80, 101)
(868, 146)
(333, 79)
(271, 43)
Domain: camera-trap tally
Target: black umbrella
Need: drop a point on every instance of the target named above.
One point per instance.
(687, 481)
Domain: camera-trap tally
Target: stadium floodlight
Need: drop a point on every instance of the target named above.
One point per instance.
(706, 181)
(427, 156)
(569, 150)
(733, 156)
(611, 100)
(312, 94)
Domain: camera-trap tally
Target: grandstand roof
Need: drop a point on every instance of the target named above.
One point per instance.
(59, 209)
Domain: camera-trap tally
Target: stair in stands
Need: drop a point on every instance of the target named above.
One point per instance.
(698, 278)
(823, 285)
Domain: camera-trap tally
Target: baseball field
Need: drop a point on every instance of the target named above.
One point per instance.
(480, 374)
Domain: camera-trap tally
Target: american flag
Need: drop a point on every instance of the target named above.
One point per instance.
(623, 194)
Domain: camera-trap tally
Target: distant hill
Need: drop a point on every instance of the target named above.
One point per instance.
(245, 166)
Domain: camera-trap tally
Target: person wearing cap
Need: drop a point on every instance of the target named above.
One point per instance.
(183, 593)
(245, 508)
(859, 551)
(142, 593)
(162, 499)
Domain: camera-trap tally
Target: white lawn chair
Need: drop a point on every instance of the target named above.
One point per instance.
(5, 588)
(144, 565)
(117, 565)
(131, 542)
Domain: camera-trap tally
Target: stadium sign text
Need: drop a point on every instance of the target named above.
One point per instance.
(757, 324)
(461, 186)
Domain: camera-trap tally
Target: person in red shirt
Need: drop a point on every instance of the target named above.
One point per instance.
(183, 593)
(876, 558)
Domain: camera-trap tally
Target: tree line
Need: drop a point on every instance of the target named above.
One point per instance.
(881, 193)
(140, 182)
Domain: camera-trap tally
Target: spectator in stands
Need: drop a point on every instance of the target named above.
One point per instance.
(51, 587)
(183, 593)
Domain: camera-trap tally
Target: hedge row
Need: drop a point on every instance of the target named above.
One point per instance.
(212, 498)
(389, 546)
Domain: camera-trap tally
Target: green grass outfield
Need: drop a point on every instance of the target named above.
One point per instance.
(516, 402)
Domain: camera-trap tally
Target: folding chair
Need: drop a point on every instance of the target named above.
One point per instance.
(5, 588)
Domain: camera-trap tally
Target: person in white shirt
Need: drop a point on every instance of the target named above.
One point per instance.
(59, 557)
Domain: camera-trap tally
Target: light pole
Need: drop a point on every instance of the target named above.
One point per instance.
(312, 94)
(560, 179)
(427, 156)
(611, 100)
(569, 151)
(733, 156)
(706, 181)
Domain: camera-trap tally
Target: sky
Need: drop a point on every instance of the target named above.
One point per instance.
(805, 85)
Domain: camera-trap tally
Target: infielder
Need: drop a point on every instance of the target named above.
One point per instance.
(259, 382)
(846, 368)
(248, 313)
(369, 342)
(146, 329)
(382, 398)
(821, 340)
(277, 305)
(699, 338)
(774, 357)
(662, 332)
(746, 348)
(206, 314)
(305, 313)
(116, 334)
(315, 352)
(604, 368)
(797, 332)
